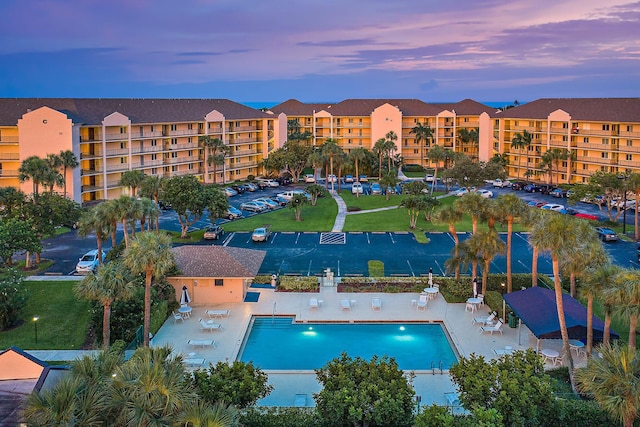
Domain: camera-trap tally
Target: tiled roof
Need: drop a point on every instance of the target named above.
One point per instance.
(625, 110)
(217, 261)
(293, 107)
(91, 111)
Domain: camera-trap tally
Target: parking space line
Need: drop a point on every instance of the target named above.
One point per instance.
(297, 237)
(439, 267)
(368, 240)
(497, 268)
(392, 239)
(412, 273)
(309, 270)
(273, 238)
(451, 237)
(522, 237)
(228, 239)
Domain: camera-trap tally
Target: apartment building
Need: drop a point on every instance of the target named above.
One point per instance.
(356, 123)
(588, 135)
(110, 136)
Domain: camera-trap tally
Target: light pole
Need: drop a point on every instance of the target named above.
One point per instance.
(624, 203)
(35, 325)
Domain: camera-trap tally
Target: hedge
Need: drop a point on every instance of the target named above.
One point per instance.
(298, 284)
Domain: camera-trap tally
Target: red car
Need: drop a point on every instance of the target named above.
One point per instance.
(586, 216)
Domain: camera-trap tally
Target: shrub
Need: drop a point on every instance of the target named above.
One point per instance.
(298, 284)
(353, 208)
(251, 177)
(262, 280)
(412, 168)
(13, 297)
(493, 300)
(281, 417)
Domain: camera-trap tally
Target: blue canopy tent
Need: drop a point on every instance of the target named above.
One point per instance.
(537, 309)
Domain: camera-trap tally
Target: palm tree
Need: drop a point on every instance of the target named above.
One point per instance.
(296, 203)
(131, 179)
(450, 214)
(596, 280)
(626, 296)
(489, 244)
(216, 151)
(110, 210)
(436, 154)
(111, 283)
(471, 137)
(390, 146)
(519, 142)
(33, 168)
(69, 161)
(613, 382)
(552, 158)
(150, 188)
(633, 184)
(149, 254)
(561, 236)
(530, 218)
(127, 210)
(389, 180)
(509, 208)
(316, 160)
(422, 133)
(330, 150)
(379, 149)
(199, 413)
(592, 254)
(474, 204)
(358, 155)
(95, 221)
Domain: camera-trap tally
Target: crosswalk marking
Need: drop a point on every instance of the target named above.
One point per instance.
(333, 238)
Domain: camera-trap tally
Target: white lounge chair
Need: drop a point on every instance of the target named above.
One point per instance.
(453, 398)
(177, 316)
(201, 342)
(345, 304)
(208, 325)
(313, 303)
(422, 302)
(376, 304)
(217, 313)
(485, 320)
(492, 328)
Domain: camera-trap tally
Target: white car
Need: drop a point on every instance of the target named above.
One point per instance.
(501, 184)
(89, 262)
(554, 207)
(332, 178)
(429, 178)
(356, 188)
(463, 190)
(268, 182)
(487, 194)
(309, 179)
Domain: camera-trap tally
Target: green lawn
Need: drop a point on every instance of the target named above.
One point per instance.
(314, 218)
(62, 319)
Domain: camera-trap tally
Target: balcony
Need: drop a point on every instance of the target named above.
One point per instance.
(94, 138)
(90, 188)
(95, 171)
(183, 172)
(243, 129)
(118, 168)
(629, 149)
(179, 160)
(142, 135)
(183, 132)
(622, 134)
(8, 139)
(147, 149)
(9, 173)
(113, 184)
(147, 164)
(192, 146)
(9, 156)
(118, 152)
(94, 155)
(242, 165)
(117, 137)
(629, 163)
(240, 153)
(597, 160)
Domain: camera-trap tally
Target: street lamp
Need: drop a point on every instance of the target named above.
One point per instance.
(624, 203)
(35, 324)
(504, 304)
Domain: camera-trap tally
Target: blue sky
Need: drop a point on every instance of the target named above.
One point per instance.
(317, 51)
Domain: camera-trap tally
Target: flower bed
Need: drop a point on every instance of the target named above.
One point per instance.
(382, 284)
(298, 284)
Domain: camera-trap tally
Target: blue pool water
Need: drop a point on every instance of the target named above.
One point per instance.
(281, 344)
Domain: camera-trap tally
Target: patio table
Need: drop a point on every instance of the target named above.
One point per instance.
(550, 355)
(577, 345)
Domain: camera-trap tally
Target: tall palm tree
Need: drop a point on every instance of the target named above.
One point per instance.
(613, 382)
(216, 151)
(509, 208)
(551, 160)
(596, 280)
(561, 236)
(530, 218)
(127, 210)
(390, 146)
(422, 133)
(521, 141)
(389, 180)
(626, 296)
(149, 254)
(69, 161)
(33, 168)
(110, 210)
(474, 204)
(471, 137)
(112, 282)
(131, 179)
(150, 188)
(316, 160)
(633, 184)
(95, 221)
(379, 149)
(330, 150)
(592, 254)
(436, 155)
(358, 155)
(450, 215)
(489, 245)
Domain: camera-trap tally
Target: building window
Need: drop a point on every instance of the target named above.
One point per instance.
(174, 155)
(154, 171)
(415, 151)
(123, 145)
(564, 138)
(565, 125)
(605, 141)
(151, 128)
(190, 166)
(629, 157)
(586, 140)
(154, 142)
(190, 153)
(189, 140)
(218, 282)
(174, 168)
(123, 130)
(605, 127)
(584, 167)
(604, 155)
(154, 156)
(174, 141)
(629, 143)
(190, 127)
(123, 160)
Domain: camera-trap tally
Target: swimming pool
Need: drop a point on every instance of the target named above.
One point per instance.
(282, 344)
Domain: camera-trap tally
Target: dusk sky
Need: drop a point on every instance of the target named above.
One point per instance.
(320, 51)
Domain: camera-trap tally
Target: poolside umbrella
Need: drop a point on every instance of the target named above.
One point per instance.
(184, 298)
(475, 287)
(430, 277)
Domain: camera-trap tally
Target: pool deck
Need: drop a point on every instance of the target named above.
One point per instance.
(430, 384)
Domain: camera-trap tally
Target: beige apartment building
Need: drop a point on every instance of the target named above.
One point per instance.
(593, 134)
(162, 136)
(110, 136)
(356, 123)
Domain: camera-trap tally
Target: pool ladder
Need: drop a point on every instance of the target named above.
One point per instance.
(439, 367)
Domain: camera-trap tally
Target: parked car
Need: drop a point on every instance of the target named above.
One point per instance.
(501, 184)
(332, 178)
(375, 188)
(279, 200)
(464, 190)
(532, 188)
(348, 178)
(230, 192)
(518, 185)
(554, 207)
(268, 182)
(487, 194)
(546, 188)
(213, 232)
(288, 195)
(233, 213)
(356, 188)
(260, 234)
(164, 205)
(253, 207)
(559, 193)
(428, 178)
(309, 178)
(239, 188)
(363, 178)
(606, 234)
(251, 186)
(270, 203)
(89, 262)
(283, 180)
